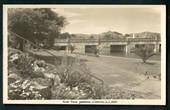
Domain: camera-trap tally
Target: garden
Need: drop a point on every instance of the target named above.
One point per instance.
(49, 76)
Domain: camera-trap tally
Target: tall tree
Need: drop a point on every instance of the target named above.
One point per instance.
(36, 25)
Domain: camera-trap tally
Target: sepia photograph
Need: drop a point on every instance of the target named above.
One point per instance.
(84, 54)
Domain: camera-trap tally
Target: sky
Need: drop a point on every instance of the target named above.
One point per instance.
(123, 20)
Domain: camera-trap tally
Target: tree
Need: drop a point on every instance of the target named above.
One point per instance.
(144, 52)
(72, 48)
(36, 25)
(65, 35)
(112, 35)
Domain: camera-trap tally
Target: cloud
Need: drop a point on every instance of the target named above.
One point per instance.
(76, 21)
(65, 12)
(86, 28)
(121, 20)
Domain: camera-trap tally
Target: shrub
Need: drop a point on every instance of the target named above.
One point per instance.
(144, 52)
(13, 77)
(64, 92)
(70, 80)
(71, 48)
(73, 74)
(13, 54)
(23, 90)
(25, 65)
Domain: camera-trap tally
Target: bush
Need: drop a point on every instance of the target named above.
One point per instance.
(75, 74)
(144, 52)
(72, 72)
(71, 48)
(25, 65)
(64, 92)
(23, 90)
(70, 80)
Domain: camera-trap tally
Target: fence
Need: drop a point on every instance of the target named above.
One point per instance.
(107, 40)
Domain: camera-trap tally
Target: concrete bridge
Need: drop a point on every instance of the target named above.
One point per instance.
(106, 46)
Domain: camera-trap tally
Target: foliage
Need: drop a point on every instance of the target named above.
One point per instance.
(36, 25)
(65, 35)
(37, 80)
(72, 48)
(25, 77)
(13, 54)
(148, 35)
(144, 52)
(70, 80)
(111, 35)
(64, 92)
(75, 74)
(23, 90)
(25, 65)
(72, 72)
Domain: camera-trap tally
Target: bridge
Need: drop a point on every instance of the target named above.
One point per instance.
(106, 46)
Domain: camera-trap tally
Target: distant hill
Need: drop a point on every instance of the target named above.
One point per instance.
(104, 35)
(146, 35)
(111, 35)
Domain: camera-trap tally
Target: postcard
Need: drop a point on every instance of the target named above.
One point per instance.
(84, 54)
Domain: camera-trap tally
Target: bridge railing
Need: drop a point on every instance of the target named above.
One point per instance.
(107, 40)
(114, 40)
(83, 40)
(143, 40)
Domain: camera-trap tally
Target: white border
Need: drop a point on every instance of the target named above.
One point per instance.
(162, 101)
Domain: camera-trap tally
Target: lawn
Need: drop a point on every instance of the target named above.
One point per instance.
(127, 73)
